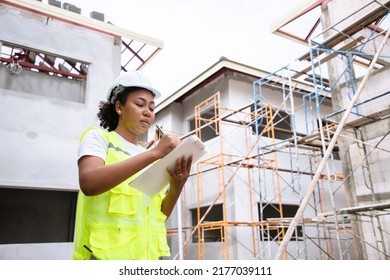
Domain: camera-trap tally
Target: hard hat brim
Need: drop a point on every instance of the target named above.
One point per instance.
(133, 79)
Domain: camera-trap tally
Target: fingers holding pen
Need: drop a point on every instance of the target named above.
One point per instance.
(166, 144)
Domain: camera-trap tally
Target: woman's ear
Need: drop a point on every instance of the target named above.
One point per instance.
(118, 107)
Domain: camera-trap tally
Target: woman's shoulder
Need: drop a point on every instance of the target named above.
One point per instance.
(94, 132)
(93, 142)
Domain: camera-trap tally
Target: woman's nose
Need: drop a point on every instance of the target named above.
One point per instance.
(147, 112)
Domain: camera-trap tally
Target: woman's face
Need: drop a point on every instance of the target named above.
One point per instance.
(137, 114)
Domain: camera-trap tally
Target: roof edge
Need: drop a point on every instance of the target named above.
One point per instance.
(78, 19)
(216, 67)
(294, 13)
(223, 62)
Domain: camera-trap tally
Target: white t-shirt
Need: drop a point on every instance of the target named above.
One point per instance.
(94, 144)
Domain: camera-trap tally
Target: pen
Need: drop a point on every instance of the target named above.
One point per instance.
(159, 130)
(161, 134)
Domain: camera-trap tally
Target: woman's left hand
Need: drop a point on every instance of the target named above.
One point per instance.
(180, 175)
(178, 178)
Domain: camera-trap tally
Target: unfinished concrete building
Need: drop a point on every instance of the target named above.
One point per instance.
(296, 167)
(55, 67)
(300, 171)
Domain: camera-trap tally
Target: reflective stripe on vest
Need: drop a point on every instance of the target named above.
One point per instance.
(119, 224)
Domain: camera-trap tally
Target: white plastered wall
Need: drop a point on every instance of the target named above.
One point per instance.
(40, 134)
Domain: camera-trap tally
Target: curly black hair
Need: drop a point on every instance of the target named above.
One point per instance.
(107, 114)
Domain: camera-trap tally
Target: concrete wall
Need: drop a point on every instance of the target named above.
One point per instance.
(39, 132)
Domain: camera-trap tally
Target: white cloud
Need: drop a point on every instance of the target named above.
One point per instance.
(196, 33)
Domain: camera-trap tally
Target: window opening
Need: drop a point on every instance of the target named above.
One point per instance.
(272, 213)
(281, 124)
(19, 58)
(37, 216)
(209, 127)
(214, 215)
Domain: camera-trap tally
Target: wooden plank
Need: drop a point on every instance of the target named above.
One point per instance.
(353, 28)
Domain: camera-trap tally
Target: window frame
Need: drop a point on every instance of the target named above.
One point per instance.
(289, 211)
(214, 215)
(40, 61)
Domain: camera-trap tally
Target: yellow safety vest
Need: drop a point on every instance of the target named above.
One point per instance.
(120, 224)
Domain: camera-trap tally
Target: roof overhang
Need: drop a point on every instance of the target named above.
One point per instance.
(93, 24)
(296, 13)
(345, 36)
(77, 19)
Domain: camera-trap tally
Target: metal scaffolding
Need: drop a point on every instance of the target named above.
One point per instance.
(287, 164)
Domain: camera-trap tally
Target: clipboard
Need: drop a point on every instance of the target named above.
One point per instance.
(156, 177)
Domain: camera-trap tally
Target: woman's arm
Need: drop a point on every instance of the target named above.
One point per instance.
(96, 178)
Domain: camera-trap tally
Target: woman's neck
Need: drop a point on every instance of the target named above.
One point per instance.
(127, 135)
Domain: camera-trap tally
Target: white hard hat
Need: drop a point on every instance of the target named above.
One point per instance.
(130, 79)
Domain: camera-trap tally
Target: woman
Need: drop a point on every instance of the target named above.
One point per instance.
(114, 220)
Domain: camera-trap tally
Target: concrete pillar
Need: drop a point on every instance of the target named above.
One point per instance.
(335, 66)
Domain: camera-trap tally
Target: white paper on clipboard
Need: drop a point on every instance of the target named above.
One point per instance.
(156, 177)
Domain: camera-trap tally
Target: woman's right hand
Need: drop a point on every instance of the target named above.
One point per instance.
(95, 177)
(166, 144)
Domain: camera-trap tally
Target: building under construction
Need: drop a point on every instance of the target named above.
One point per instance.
(296, 167)
(296, 163)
